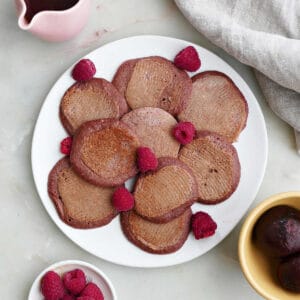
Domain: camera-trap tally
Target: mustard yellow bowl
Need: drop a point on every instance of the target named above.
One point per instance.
(257, 268)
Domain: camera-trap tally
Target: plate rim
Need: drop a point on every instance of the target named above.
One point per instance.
(264, 154)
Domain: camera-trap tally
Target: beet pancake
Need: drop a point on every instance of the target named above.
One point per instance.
(215, 164)
(153, 127)
(166, 193)
(156, 238)
(78, 203)
(104, 152)
(216, 105)
(123, 75)
(154, 82)
(90, 100)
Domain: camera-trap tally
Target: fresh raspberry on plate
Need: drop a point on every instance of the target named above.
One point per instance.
(74, 281)
(146, 159)
(188, 59)
(93, 291)
(52, 287)
(203, 225)
(122, 199)
(184, 132)
(66, 145)
(85, 298)
(84, 70)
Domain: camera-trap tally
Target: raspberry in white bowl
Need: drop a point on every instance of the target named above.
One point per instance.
(72, 277)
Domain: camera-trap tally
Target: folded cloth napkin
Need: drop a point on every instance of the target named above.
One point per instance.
(261, 34)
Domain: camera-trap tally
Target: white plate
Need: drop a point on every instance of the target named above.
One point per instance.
(109, 242)
(92, 273)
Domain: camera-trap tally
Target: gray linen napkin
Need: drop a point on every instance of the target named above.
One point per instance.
(264, 34)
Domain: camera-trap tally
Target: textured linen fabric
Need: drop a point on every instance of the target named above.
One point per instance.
(264, 34)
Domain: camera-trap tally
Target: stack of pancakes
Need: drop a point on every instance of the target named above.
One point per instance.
(142, 105)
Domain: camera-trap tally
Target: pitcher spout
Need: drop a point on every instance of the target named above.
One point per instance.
(21, 12)
(53, 24)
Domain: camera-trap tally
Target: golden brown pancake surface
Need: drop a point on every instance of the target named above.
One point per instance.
(90, 100)
(104, 152)
(156, 238)
(215, 164)
(153, 127)
(216, 105)
(79, 203)
(165, 193)
(153, 82)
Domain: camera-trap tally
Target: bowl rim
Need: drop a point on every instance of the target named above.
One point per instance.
(79, 263)
(248, 224)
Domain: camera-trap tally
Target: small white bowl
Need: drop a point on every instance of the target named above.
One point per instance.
(92, 273)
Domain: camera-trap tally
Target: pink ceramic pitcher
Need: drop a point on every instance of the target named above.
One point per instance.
(54, 25)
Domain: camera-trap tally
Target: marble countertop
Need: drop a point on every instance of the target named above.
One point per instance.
(30, 241)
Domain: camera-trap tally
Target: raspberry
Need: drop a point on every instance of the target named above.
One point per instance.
(184, 132)
(84, 70)
(52, 287)
(203, 225)
(93, 291)
(122, 199)
(188, 59)
(85, 298)
(74, 281)
(68, 297)
(66, 145)
(146, 160)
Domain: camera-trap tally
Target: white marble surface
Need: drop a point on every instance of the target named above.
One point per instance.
(29, 239)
